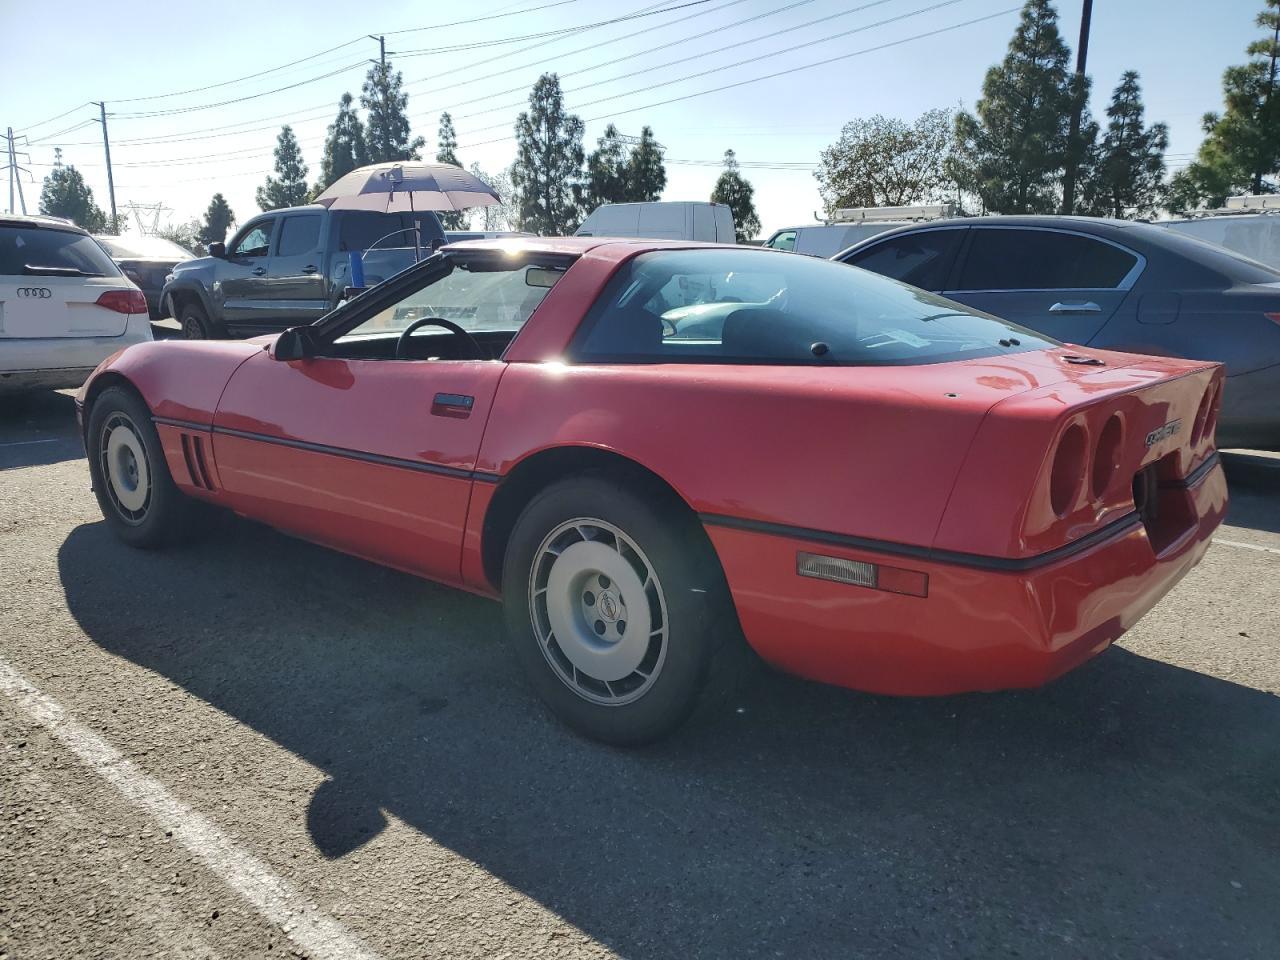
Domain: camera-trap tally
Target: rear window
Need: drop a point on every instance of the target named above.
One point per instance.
(755, 306)
(1013, 259)
(35, 251)
(362, 230)
(144, 248)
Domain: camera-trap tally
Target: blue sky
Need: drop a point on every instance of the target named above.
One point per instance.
(128, 49)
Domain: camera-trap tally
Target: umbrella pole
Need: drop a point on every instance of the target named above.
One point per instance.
(417, 234)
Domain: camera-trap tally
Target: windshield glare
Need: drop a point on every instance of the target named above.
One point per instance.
(754, 306)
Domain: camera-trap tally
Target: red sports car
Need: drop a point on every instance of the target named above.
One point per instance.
(651, 450)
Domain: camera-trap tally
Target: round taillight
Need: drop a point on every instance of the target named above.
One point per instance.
(1215, 408)
(1068, 470)
(1106, 456)
(1202, 415)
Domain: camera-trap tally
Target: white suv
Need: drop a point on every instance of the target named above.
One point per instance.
(64, 305)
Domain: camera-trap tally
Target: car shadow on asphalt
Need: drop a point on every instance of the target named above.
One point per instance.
(1128, 809)
(1255, 490)
(37, 429)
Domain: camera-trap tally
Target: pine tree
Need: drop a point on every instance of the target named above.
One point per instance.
(1241, 150)
(447, 152)
(1013, 152)
(497, 216)
(607, 171)
(289, 187)
(1129, 172)
(65, 194)
(387, 127)
(344, 147)
(547, 174)
(217, 221)
(733, 190)
(646, 174)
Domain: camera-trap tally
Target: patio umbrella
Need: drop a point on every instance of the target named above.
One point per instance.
(406, 187)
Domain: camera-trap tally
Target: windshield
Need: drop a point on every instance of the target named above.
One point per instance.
(144, 248)
(35, 251)
(754, 306)
(476, 298)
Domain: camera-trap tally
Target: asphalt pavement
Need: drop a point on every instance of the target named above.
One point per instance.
(254, 747)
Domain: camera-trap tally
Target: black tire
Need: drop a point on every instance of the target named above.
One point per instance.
(194, 321)
(162, 514)
(691, 603)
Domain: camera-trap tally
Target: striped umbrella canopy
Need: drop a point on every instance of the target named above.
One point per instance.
(408, 186)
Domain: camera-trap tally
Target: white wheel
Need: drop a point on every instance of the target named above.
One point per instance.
(126, 468)
(598, 611)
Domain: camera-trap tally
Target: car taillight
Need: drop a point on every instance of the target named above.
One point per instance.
(1273, 317)
(1068, 470)
(123, 301)
(859, 573)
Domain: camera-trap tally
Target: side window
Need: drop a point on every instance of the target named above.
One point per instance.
(256, 242)
(1000, 259)
(299, 235)
(786, 240)
(920, 259)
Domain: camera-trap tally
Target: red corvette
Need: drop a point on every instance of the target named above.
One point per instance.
(650, 450)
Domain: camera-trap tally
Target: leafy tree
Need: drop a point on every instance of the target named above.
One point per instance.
(607, 171)
(736, 192)
(498, 216)
(217, 221)
(344, 146)
(1241, 152)
(387, 128)
(447, 152)
(646, 173)
(883, 161)
(1012, 153)
(1128, 173)
(547, 173)
(65, 194)
(189, 235)
(289, 187)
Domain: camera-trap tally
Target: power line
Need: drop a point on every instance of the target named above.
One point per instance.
(173, 111)
(778, 73)
(698, 36)
(41, 123)
(738, 63)
(492, 16)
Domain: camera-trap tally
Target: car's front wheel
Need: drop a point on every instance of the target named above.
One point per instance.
(131, 479)
(611, 604)
(195, 325)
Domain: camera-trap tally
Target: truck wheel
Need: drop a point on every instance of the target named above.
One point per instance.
(195, 325)
(131, 479)
(611, 605)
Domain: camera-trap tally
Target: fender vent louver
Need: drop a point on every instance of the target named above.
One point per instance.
(197, 468)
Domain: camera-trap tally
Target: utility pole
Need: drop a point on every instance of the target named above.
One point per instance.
(1073, 137)
(382, 49)
(15, 172)
(13, 168)
(106, 146)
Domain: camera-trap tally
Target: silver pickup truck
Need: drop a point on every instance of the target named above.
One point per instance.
(289, 267)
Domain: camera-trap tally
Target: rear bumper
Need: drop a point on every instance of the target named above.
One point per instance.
(57, 363)
(1250, 414)
(978, 629)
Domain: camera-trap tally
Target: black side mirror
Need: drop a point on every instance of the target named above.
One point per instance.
(296, 343)
(437, 243)
(350, 293)
(218, 249)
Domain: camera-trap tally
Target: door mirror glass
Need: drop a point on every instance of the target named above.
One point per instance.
(296, 343)
(218, 249)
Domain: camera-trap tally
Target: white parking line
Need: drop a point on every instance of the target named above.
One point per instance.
(27, 443)
(320, 936)
(1246, 546)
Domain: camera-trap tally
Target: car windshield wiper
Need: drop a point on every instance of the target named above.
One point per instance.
(35, 271)
(945, 313)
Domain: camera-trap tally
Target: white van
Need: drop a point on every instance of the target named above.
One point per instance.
(850, 225)
(661, 220)
(1249, 226)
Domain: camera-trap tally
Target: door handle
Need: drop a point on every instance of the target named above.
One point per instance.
(259, 271)
(310, 268)
(1081, 306)
(452, 405)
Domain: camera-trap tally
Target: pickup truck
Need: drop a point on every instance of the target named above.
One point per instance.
(289, 267)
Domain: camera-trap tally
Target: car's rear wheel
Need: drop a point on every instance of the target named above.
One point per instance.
(195, 324)
(611, 604)
(131, 480)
